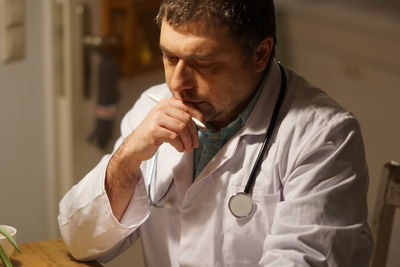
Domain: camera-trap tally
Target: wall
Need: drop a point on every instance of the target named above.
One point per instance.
(22, 135)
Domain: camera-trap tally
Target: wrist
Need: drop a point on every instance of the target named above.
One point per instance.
(122, 170)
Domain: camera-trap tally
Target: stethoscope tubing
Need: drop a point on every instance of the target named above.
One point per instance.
(282, 92)
(248, 203)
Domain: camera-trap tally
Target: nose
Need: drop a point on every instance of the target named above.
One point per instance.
(182, 78)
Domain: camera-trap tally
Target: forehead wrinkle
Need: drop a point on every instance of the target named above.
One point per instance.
(191, 48)
(196, 43)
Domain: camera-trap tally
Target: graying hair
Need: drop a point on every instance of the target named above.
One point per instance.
(248, 21)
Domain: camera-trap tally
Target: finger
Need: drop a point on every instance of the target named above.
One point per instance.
(177, 144)
(162, 135)
(191, 133)
(145, 140)
(173, 120)
(186, 139)
(194, 135)
(187, 131)
(188, 108)
(181, 129)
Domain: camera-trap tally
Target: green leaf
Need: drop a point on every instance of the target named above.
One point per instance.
(4, 258)
(10, 239)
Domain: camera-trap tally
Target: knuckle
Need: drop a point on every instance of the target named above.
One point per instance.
(152, 128)
(156, 108)
(187, 117)
(156, 116)
(155, 141)
(173, 136)
(181, 127)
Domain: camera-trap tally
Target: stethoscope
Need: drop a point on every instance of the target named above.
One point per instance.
(241, 204)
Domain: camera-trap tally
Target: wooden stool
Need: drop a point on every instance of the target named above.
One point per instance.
(387, 202)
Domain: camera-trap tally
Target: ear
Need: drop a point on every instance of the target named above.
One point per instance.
(263, 53)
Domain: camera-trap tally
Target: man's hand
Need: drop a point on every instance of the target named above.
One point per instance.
(168, 122)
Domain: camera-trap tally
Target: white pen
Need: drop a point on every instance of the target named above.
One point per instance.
(157, 99)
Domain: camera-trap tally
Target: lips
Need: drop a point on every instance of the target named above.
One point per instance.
(193, 101)
(198, 103)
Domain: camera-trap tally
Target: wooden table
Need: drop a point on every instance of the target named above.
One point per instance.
(47, 253)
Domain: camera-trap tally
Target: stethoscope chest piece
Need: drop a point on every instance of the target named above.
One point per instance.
(241, 205)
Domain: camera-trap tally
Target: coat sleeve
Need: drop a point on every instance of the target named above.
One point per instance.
(86, 221)
(322, 220)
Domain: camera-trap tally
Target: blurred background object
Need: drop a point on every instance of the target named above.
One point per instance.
(49, 97)
(387, 203)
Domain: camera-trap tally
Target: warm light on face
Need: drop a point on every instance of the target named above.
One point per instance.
(204, 66)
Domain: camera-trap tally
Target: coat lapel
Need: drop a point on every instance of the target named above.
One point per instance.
(181, 165)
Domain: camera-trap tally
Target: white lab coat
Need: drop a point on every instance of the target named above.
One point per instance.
(318, 217)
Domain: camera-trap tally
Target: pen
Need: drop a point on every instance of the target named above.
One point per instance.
(157, 99)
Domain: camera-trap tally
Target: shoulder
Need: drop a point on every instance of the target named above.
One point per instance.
(311, 109)
(141, 108)
(315, 129)
(311, 120)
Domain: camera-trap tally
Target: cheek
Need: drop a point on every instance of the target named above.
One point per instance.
(220, 97)
(230, 93)
(210, 90)
(167, 72)
(168, 76)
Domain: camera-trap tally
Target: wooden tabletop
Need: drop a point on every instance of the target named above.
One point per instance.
(47, 253)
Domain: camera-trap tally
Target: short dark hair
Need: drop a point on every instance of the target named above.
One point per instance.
(249, 21)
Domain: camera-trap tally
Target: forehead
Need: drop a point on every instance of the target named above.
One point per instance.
(197, 38)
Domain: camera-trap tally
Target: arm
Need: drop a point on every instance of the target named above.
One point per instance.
(323, 219)
(169, 122)
(91, 215)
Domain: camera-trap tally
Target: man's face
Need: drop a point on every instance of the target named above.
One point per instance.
(205, 67)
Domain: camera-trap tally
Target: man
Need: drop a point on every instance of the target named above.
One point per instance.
(308, 197)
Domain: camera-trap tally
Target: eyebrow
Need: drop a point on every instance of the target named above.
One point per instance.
(164, 49)
(191, 57)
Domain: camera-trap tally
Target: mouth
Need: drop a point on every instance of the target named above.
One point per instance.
(200, 105)
(197, 103)
(192, 101)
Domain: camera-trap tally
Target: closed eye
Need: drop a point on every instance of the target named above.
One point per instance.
(173, 60)
(203, 65)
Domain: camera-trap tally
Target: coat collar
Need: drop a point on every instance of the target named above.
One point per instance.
(260, 117)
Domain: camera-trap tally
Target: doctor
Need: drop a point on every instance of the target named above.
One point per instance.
(302, 203)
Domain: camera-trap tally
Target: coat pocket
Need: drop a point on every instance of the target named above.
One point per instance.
(243, 238)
